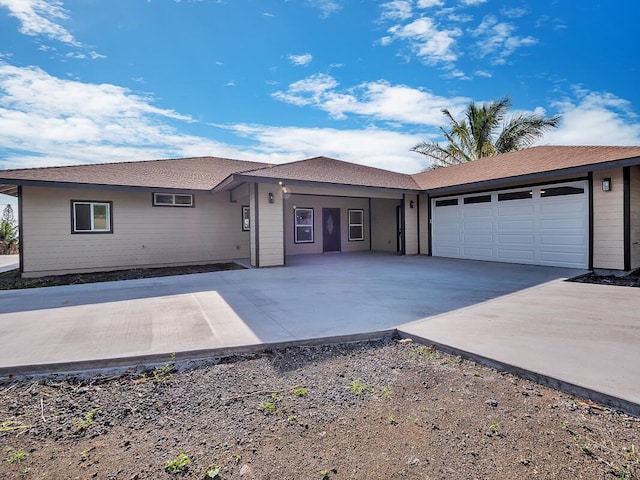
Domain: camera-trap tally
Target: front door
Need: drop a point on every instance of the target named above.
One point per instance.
(330, 229)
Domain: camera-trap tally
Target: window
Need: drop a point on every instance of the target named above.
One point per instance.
(446, 203)
(172, 200)
(560, 191)
(91, 217)
(522, 195)
(356, 225)
(303, 221)
(246, 223)
(480, 199)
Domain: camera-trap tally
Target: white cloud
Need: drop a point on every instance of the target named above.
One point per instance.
(427, 41)
(302, 60)
(472, 2)
(47, 121)
(497, 39)
(60, 121)
(397, 10)
(81, 55)
(514, 12)
(326, 7)
(41, 18)
(595, 118)
(378, 100)
(460, 17)
(373, 147)
(430, 3)
(309, 91)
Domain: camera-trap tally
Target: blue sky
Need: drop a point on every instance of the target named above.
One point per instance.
(87, 81)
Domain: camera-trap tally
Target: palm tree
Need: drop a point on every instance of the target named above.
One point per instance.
(484, 132)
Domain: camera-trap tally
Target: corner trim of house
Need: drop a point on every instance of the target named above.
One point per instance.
(591, 231)
(256, 191)
(403, 223)
(626, 181)
(418, 220)
(284, 231)
(20, 232)
(429, 228)
(370, 243)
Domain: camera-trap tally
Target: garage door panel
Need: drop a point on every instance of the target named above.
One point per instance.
(515, 225)
(562, 208)
(562, 258)
(470, 226)
(449, 251)
(558, 240)
(515, 256)
(557, 224)
(478, 253)
(549, 230)
(515, 239)
(516, 210)
(472, 238)
(477, 211)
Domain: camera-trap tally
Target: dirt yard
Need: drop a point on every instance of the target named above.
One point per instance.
(353, 411)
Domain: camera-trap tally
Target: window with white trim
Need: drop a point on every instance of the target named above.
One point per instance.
(356, 225)
(172, 200)
(91, 217)
(303, 225)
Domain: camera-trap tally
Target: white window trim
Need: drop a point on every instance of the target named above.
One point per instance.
(296, 226)
(92, 205)
(361, 224)
(173, 200)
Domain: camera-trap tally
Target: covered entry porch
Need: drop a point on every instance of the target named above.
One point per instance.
(285, 219)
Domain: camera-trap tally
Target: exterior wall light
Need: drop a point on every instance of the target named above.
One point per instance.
(270, 197)
(606, 184)
(411, 204)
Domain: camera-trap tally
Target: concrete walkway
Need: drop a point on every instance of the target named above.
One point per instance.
(513, 314)
(583, 338)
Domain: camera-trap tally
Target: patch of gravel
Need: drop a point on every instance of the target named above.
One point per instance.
(630, 280)
(362, 410)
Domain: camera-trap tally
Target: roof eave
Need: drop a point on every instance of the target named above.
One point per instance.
(532, 177)
(90, 186)
(236, 179)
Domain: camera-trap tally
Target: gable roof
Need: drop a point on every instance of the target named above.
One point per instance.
(199, 173)
(207, 173)
(330, 170)
(531, 161)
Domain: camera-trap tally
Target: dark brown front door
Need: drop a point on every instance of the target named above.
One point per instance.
(330, 229)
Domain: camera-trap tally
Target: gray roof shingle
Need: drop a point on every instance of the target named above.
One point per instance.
(205, 173)
(330, 170)
(523, 162)
(199, 173)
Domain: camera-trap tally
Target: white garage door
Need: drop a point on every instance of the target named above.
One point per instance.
(545, 225)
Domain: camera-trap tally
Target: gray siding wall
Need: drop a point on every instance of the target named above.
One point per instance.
(635, 217)
(267, 236)
(424, 224)
(318, 203)
(608, 221)
(384, 236)
(411, 225)
(142, 236)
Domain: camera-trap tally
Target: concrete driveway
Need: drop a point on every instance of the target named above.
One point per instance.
(320, 296)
